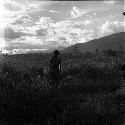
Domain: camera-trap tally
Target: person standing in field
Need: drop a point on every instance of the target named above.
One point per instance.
(123, 68)
(55, 68)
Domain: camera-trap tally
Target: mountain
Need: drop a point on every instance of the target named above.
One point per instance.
(114, 42)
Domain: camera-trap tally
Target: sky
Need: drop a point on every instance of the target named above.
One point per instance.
(35, 24)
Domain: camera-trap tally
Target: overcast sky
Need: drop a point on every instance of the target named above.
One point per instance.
(28, 24)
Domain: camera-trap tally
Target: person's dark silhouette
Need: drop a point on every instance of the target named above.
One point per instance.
(123, 68)
(55, 68)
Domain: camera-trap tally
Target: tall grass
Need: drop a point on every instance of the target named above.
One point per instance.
(85, 96)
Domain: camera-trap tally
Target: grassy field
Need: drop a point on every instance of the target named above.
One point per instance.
(86, 95)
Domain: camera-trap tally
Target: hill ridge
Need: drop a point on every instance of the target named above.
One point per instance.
(113, 41)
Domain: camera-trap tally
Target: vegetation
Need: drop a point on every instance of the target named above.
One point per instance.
(86, 95)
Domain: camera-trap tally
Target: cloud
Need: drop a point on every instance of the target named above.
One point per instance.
(41, 32)
(43, 26)
(110, 2)
(119, 24)
(44, 22)
(76, 12)
(50, 43)
(23, 45)
(110, 27)
(63, 24)
(68, 29)
(2, 43)
(82, 23)
(53, 11)
(94, 14)
(51, 23)
(24, 42)
(10, 34)
(87, 35)
(21, 19)
(13, 6)
(105, 28)
(63, 41)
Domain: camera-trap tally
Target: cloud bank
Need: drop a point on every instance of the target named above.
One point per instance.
(38, 24)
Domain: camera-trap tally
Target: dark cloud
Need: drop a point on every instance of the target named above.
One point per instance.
(9, 33)
(41, 32)
(22, 45)
(17, 22)
(11, 7)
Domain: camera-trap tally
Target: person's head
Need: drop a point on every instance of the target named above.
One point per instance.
(56, 52)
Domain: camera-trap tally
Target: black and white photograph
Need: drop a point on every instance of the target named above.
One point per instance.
(62, 62)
